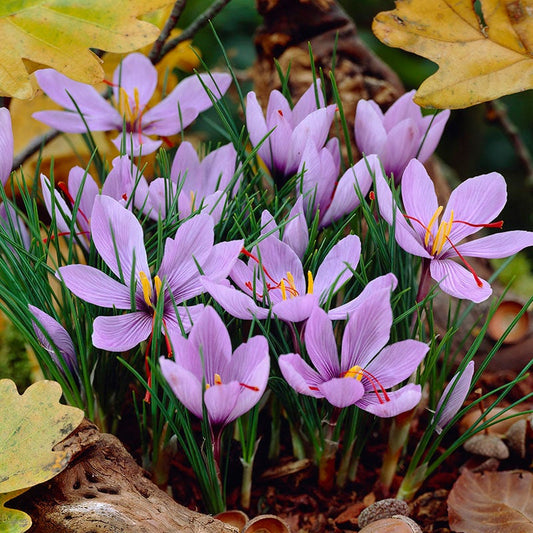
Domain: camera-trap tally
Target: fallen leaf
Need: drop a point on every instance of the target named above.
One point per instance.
(12, 520)
(480, 58)
(492, 502)
(58, 34)
(30, 426)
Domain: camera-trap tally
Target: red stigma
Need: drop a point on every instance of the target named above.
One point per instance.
(372, 196)
(280, 112)
(249, 387)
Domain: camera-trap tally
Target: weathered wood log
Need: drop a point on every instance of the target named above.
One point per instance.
(104, 490)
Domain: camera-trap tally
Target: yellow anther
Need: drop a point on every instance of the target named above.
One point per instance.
(147, 289)
(293, 292)
(354, 372)
(124, 104)
(283, 290)
(158, 283)
(310, 282)
(442, 235)
(431, 222)
(218, 379)
(192, 199)
(137, 99)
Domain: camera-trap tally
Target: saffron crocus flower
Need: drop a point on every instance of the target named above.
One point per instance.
(134, 83)
(58, 335)
(459, 387)
(434, 234)
(118, 238)
(6, 145)
(205, 370)
(398, 135)
(198, 184)
(366, 367)
(282, 148)
(273, 280)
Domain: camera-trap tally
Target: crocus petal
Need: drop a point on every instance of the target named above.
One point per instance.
(299, 375)
(396, 362)
(337, 268)
(135, 143)
(121, 332)
(218, 168)
(6, 145)
(58, 209)
(118, 237)
(497, 245)
(135, 74)
(308, 102)
(370, 134)
(342, 392)
(186, 165)
(295, 309)
(81, 183)
(59, 336)
(459, 385)
(321, 345)
(185, 385)
(403, 108)
(401, 146)
(220, 401)
(296, 233)
(367, 331)
(433, 133)
(401, 400)
(457, 281)
(256, 124)
(222, 259)
(235, 302)
(268, 225)
(419, 198)
(185, 354)
(477, 200)
(93, 286)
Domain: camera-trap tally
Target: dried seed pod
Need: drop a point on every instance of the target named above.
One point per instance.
(382, 509)
(516, 438)
(266, 523)
(233, 518)
(487, 446)
(395, 524)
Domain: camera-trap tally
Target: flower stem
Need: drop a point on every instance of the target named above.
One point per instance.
(326, 464)
(412, 482)
(246, 484)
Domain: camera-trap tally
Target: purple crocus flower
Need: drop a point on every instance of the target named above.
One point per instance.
(134, 82)
(206, 370)
(197, 183)
(399, 134)
(460, 383)
(118, 238)
(366, 368)
(58, 335)
(472, 205)
(281, 149)
(274, 281)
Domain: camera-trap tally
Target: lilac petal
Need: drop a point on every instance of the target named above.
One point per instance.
(222, 259)
(343, 312)
(337, 267)
(321, 345)
(58, 335)
(117, 232)
(268, 224)
(168, 117)
(59, 209)
(342, 392)
(93, 286)
(121, 332)
(218, 169)
(6, 145)
(80, 179)
(477, 200)
(401, 400)
(433, 134)
(135, 74)
(295, 309)
(457, 281)
(370, 134)
(278, 141)
(241, 274)
(459, 385)
(256, 123)
(188, 315)
(220, 401)
(296, 233)
(367, 331)
(404, 234)
(403, 108)
(278, 106)
(185, 354)
(185, 385)
(419, 198)
(497, 245)
(345, 198)
(395, 363)
(401, 146)
(135, 143)
(186, 165)
(235, 302)
(250, 367)
(308, 102)
(213, 205)
(299, 375)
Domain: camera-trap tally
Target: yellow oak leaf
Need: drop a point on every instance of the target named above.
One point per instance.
(58, 34)
(480, 56)
(31, 424)
(12, 520)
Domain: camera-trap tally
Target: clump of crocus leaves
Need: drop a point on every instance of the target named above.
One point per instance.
(267, 278)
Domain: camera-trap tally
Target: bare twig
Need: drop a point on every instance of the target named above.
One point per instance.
(34, 146)
(155, 53)
(497, 112)
(195, 25)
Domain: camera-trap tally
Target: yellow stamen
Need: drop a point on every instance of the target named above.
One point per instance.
(124, 105)
(147, 289)
(431, 222)
(310, 282)
(218, 379)
(293, 292)
(137, 99)
(192, 200)
(158, 283)
(283, 291)
(442, 235)
(354, 372)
